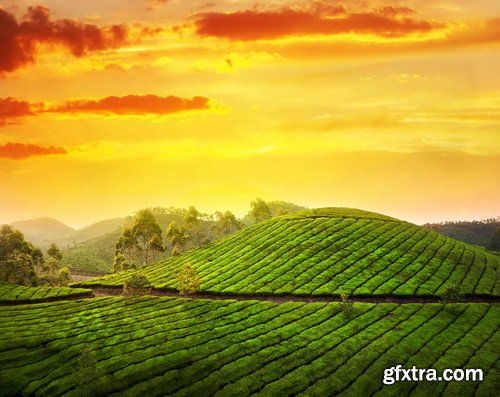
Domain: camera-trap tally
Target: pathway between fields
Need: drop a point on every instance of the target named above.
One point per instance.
(116, 291)
(282, 298)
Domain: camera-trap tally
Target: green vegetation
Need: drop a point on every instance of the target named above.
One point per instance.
(13, 292)
(331, 251)
(138, 284)
(166, 346)
(183, 229)
(189, 281)
(473, 232)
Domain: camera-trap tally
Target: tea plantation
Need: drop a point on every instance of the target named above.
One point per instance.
(261, 344)
(331, 251)
(18, 293)
(153, 346)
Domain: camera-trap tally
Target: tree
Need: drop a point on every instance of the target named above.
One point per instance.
(18, 257)
(192, 220)
(346, 306)
(189, 281)
(495, 241)
(49, 271)
(147, 234)
(142, 243)
(226, 223)
(259, 210)
(178, 236)
(54, 252)
(64, 277)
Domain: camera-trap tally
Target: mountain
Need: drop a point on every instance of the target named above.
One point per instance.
(43, 231)
(331, 251)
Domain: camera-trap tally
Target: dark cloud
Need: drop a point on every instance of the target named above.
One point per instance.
(19, 40)
(12, 108)
(20, 151)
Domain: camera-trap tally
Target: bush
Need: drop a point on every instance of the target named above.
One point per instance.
(451, 294)
(87, 373)
(189, 281)
(138, 284)
(346, 306)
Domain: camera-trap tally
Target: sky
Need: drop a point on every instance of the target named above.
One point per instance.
(107, 107)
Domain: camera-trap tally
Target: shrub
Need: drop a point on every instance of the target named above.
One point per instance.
(87, 373)
(346, 306)
(451, 294)
(138, 284)
(189, 281)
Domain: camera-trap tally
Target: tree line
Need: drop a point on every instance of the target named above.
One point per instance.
(22, 263)
(144, 242)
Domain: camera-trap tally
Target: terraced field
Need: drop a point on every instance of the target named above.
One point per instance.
(18, 293)
(154, 346)
(331, 251)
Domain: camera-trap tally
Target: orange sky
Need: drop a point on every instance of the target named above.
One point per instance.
(386, 106)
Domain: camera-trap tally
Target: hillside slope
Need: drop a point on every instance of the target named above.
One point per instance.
(331, 251)
(162, 346)
(43, 231)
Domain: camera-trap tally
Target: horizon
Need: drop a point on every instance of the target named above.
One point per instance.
(107, 108)
(241, 214)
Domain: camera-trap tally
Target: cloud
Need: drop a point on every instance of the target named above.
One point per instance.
(134, 105)
(21, 151)
(20, 40)
(12, 108)
(318, 17)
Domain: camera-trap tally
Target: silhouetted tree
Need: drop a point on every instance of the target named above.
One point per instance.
(495, 241)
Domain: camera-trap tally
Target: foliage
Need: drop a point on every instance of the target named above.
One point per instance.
(452, 294)
(87, 373)
(165, 346)
(327, 252)
(226, 223)
(346, 305)
(193, 226)
(138, 284)
(64, 277)
(189, 281)
(141, 243)
(495, 241)
(259, 210)
(18, 258)
(12, 292)
(473, 232)
(178, 236)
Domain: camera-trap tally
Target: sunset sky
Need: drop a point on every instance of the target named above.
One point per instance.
(107, 107)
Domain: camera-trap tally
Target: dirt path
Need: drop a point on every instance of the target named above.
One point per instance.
(115, 291)
(282, 298)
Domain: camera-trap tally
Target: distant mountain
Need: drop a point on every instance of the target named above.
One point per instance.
(43, 231)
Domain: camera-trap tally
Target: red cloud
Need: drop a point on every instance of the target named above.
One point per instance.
(19, 40)
(134, 105)
(20, 151)
(317, 19)
(12, 108)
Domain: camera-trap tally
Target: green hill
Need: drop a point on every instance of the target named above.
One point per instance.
(331, 251)
(154, 346)
(18, 293)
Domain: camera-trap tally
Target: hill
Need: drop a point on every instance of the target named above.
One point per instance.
(43, 231)
(18, 293)
(150, 346)
(331, 251)
(475, 232)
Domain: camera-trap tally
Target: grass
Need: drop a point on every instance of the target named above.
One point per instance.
(330, 251)
(12, 292)
(166, 346)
